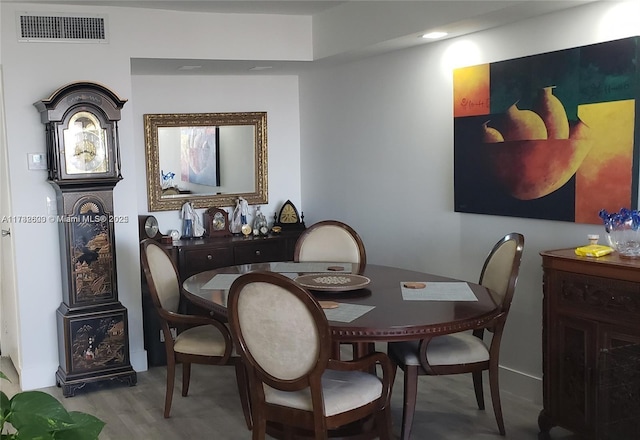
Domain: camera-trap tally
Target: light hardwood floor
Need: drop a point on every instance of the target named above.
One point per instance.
(446, 408)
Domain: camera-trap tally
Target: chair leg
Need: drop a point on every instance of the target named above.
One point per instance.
(477, 386)
(186, 378)
(383, 424)
(171, 374)
(410, 394)
(259, 427)
(335, 350)
(243, 389)
(495, 397)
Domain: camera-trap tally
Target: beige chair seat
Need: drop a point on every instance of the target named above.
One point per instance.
(204, 340)
(342, 391)
(455, 349)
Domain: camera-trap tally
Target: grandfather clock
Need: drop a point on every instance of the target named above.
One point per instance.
(83, 160)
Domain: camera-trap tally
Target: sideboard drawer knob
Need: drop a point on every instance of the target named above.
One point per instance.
(209, 257)
(258, 252)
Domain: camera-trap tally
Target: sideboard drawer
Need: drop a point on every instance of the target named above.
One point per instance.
(193, 261)
(258, 252)
(605, 299)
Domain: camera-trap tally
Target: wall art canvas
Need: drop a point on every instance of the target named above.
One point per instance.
(549, 136)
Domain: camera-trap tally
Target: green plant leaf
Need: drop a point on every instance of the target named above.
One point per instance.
(38, 410)
(85, 427)
(5, 407)
(32, 432)
(5, 404)
(2, 376)
(35, 415)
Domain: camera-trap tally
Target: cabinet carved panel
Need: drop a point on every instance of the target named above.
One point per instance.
(599, 294)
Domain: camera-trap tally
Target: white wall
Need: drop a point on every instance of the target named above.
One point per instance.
(276, 95)
(377, 152)
(32, 71)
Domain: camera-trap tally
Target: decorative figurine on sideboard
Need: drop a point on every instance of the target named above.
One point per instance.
(260, 226)
(240, 218)
(187, 215)
(191, 224)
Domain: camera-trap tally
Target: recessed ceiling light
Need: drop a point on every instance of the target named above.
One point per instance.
(189, 67)
(434, 35)
(261, 68)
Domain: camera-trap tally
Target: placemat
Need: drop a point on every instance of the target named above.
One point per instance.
(221, 281)
(346, 312)
(437, 291)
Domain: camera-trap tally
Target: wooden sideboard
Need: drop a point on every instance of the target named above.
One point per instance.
(591, 345)
(197, 255)
(202, 254)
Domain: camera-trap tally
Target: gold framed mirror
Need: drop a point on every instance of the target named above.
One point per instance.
(209, 159)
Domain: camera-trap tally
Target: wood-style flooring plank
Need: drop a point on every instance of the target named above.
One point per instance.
(446, 408)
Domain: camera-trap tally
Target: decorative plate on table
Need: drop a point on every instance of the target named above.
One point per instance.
(333, 282)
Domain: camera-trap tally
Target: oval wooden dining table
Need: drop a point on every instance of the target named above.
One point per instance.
(392, 317)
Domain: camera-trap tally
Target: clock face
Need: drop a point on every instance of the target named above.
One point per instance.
(151, 227)
(218, 222)
(288, 214)
(85, 146)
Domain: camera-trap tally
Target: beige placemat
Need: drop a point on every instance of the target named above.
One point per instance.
(221, 281)
(438, 291)
(346, 312)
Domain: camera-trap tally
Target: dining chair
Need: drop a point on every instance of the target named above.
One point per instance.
(465, 352)
(334, 241)
(199, 339)
(331, 241)
(284, 340)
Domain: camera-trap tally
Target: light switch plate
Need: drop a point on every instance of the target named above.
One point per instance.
(37, 161)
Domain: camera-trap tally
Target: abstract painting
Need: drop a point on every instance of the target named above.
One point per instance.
(549, 136)
(199, 156)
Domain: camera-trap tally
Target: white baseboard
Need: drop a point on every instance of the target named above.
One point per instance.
(521, 384)
(139, 360)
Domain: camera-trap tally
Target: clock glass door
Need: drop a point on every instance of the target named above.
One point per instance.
(85, 145)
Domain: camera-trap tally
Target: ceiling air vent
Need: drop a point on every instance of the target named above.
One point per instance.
(62, 27)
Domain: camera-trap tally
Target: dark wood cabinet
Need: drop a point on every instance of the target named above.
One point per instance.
(591, 345)
(198, 258)
(198, 255)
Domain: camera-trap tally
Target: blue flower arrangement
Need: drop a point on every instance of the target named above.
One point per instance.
(625, 218)
(623, 231)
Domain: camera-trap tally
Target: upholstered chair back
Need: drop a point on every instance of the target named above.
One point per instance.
(278, 330)
(164, 277)
(331, 241)
(501, 268)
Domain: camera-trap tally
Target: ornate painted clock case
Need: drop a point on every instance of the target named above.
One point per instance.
(84, 166)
